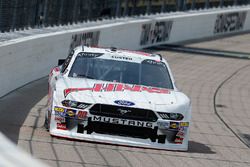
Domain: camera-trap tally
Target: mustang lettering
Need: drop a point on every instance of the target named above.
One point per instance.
(122, 121)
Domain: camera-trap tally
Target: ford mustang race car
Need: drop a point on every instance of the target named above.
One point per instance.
(117, 96)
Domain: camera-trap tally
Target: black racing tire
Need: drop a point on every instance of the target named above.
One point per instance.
(46, 123)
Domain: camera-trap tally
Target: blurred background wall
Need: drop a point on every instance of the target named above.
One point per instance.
(23, 14)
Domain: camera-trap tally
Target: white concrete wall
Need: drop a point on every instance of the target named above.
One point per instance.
(11, 156)
(26, 59)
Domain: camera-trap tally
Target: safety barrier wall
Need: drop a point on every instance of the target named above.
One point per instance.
(26, 59)
(11, 156)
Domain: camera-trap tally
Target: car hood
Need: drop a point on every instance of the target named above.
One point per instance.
(104, 92)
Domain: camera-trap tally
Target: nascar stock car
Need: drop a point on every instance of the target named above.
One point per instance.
(117, 96)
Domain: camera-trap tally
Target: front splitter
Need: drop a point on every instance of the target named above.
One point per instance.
(119, 140)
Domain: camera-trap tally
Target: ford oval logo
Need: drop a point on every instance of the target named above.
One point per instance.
(124, 103)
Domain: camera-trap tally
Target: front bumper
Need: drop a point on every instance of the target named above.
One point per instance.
(173, 137)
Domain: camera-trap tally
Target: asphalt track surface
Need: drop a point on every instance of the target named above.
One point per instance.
(220, 131)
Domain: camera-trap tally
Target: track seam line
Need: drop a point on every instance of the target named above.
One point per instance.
(215, 109)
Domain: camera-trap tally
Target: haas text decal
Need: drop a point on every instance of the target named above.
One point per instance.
(229, 22)
(155, 33)
(86, 38)
(117, 88)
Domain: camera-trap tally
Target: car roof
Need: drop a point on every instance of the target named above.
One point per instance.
(123, 52)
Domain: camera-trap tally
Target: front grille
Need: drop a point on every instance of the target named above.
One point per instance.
(123, 112)
(122, 130)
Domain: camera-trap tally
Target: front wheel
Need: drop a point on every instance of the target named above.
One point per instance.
(46, 122)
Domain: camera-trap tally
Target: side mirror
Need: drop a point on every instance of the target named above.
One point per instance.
(60, 62)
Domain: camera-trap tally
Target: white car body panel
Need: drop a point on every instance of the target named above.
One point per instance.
(91, 92)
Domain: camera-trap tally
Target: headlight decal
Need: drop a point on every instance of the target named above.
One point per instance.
(75, 104)
(171, 116)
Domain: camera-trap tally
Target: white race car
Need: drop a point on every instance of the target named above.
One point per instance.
(117, 96)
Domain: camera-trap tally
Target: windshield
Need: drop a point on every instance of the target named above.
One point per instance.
(148, 73)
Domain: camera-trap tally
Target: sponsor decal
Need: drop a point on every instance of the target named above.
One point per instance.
(184, 124)
(82, 114)
(122, 57)
(70, 113)
(153, 33)
(67, 61)
(69, 103)
(181, 128)
(229, 22)
(154, 62)
(110, 87)
(180, 134)
(85, 38)
(178, 140)
(59, 119)
(59, 109)
(124, 103)
(61, 126)
(174, 125)
(122, 121)
(64, 112)
(90, 54)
